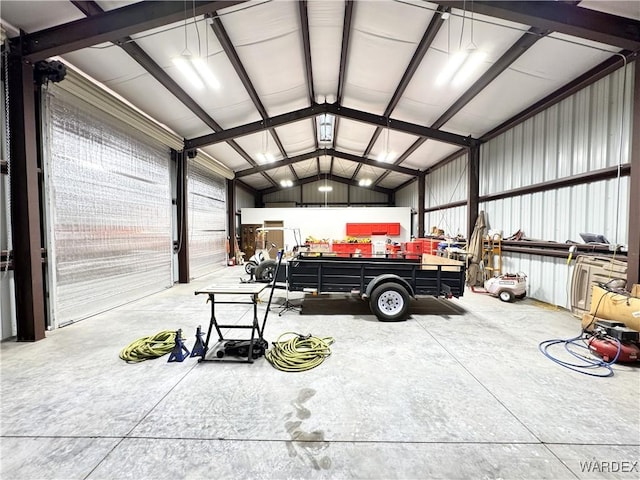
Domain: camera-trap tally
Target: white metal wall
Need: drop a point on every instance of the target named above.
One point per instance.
(587, 131)
(446, 185)
(408, 197)
(244, 199)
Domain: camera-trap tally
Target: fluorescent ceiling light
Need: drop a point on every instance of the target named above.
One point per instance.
(286, 183)
(364, 182)
(461, 66)
(266, 157)
(386, 156)
(196, 70)
(325, 188)
(205, 72)
(475, 58)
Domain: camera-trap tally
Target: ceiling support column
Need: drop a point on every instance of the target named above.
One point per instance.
(182, 202)
(633, 255)
(473, 182)
(231, 216)
(25, 203)
(421, 194)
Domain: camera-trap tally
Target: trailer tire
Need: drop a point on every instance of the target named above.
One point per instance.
(389, 302)
(265, 271)
(506, 295)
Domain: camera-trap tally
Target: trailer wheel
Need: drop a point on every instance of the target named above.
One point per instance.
(506, 295)
(389, 302)
(265, 271)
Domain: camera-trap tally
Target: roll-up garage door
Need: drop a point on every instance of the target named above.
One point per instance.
(108, 209)
(207, 220)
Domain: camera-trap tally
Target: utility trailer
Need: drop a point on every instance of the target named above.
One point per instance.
(387, 283)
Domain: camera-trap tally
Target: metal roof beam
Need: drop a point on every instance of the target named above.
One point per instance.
(334, 178)
(229, 49)
(254, 127)
(280, 163)
(110, 26)
(317, 109)
(561, 17)
(425, 43)
(329, 152)
(406, 127)
(524, 43)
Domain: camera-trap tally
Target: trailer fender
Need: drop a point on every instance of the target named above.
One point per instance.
(388, 278)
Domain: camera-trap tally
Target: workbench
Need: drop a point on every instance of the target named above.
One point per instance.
(251, 289)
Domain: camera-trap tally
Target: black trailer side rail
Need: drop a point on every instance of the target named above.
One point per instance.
(360, 275)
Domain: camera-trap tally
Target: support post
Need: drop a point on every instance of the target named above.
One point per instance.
(421, 194)
(473, 182)
(182, 203)
(633, 255)
(25, 203)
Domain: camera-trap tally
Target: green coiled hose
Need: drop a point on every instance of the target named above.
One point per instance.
(298, 353)
(146, 348)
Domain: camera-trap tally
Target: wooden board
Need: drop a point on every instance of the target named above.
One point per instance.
(433, 262)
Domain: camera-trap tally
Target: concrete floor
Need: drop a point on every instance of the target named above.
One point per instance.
(459, 390)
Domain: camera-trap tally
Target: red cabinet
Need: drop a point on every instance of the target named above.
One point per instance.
(368, 229)
(348, 249)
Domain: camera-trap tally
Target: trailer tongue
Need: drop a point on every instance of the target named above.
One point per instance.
(387, 283)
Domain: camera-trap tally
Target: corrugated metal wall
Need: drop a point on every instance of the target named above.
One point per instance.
(285, 195)
(587, 131)
(446, 185)
(408, 197)
(244, 199)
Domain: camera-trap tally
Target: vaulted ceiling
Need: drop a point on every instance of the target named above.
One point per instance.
(285, 67)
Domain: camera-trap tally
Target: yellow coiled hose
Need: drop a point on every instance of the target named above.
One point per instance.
(146, 348)
(298, 353)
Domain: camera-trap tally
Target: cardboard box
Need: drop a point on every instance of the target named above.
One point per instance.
(635, 290)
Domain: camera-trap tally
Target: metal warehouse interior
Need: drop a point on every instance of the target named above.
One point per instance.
(142, 140)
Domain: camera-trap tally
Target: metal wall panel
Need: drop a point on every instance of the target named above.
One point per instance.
(207, 221)
(452, 220)
(561, 215)
(408, 197)
(285, 195)
(447, 184)
(244, 199)
(580, 134)
(548, 279)
(585, 132)
(365, 195)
